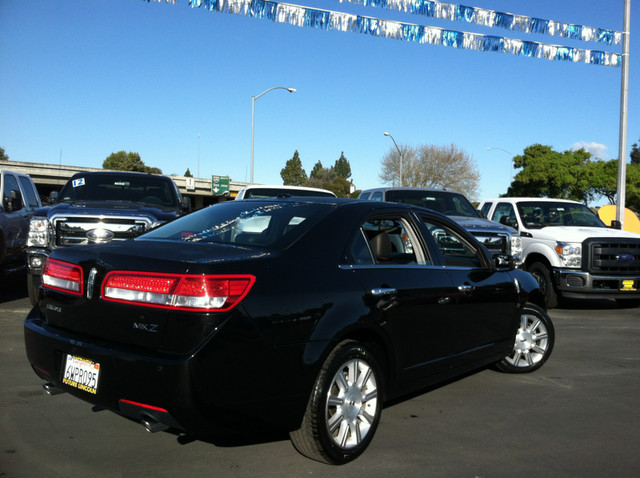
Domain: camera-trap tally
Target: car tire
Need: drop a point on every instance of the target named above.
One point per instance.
(344, 408)
(33, 289)
(534, 342)
(543, 276)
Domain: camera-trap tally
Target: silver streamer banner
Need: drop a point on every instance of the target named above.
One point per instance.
(493, 19)
(330, 20)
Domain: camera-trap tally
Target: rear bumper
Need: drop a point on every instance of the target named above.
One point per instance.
(159, 383)
(186, 393)
(581, 285)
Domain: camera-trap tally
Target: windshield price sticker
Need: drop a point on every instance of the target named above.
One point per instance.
(81, 374)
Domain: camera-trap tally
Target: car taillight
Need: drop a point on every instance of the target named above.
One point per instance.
(179, 291)
(62, 276)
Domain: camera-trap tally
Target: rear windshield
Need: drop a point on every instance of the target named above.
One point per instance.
(261, 193)
(445, 202)
(248, 223)
(537, 215)
(148, 189)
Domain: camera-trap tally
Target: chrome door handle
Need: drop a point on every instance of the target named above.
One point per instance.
(465, 288)
(382, 292)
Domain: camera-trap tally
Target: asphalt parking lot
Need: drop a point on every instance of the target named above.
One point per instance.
(577, 416)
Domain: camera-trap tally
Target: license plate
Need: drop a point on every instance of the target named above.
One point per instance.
(81, 373)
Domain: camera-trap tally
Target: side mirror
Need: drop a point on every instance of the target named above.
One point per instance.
(13, 203)
(186, 204)
(503, 262)
(616, 224)
(53, 196)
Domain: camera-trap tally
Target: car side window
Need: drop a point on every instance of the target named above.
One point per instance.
(376, 196)
(30, 195)
(455, 250)
(505, 214)
(386, 241)
(485, 209)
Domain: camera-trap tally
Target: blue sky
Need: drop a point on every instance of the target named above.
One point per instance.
(81, 79)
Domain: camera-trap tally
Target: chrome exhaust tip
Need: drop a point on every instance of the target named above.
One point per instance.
(152, 425)
(51, 390)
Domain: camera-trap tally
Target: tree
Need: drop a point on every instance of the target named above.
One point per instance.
(123, 161)
(316, 171)
(187, 174)
(432, 166)
(342, 167)
(293, 174)
(3, 156)
(635, 154)
(327, 178)
(548, 173)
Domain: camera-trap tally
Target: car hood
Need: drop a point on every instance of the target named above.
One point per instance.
(578, 233)
(115, 208)
(481, 224)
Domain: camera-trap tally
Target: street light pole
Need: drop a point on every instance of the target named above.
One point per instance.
(253, 116)
(399, 153)
(510, 165)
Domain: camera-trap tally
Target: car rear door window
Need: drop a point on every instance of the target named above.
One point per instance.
(386, 240)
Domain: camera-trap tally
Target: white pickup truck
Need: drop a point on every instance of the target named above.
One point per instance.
(570, 251)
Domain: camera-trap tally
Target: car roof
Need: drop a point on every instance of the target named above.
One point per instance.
(411, 188)
(113, 171)
(530, 199)
(362, 204)
(284, 187)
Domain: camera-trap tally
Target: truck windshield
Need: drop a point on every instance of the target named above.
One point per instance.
(147, 189)
(445, 202)
(537, 215)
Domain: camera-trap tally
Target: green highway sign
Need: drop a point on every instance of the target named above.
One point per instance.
(219, 185)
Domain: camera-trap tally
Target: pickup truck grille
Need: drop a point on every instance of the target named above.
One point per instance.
(72, 230)
(494, 242)
(607, 256)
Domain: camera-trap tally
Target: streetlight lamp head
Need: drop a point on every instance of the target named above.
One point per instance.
(386, 134)
(291, 90)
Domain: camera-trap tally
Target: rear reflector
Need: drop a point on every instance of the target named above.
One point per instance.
(62, 276)
(177, 291)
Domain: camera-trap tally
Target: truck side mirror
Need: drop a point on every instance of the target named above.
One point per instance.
(53, 195)
(615, 224)
(186, 204)
(13, 202)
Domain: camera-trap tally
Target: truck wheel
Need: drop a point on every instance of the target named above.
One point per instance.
(33, 288)
(344, 407)
(533, 344)
(543, 276)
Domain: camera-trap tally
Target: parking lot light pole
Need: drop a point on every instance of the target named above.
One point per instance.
(253, 116)
(510, 165)
(399, 153)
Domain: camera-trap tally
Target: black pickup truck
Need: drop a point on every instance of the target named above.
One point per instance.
(19, 201)
(98, 207)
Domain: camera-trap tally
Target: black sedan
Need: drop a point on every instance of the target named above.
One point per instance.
(296, 314)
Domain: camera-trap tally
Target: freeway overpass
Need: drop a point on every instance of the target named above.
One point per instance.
(51, 177)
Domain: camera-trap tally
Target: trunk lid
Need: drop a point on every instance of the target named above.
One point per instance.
(88, 315)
